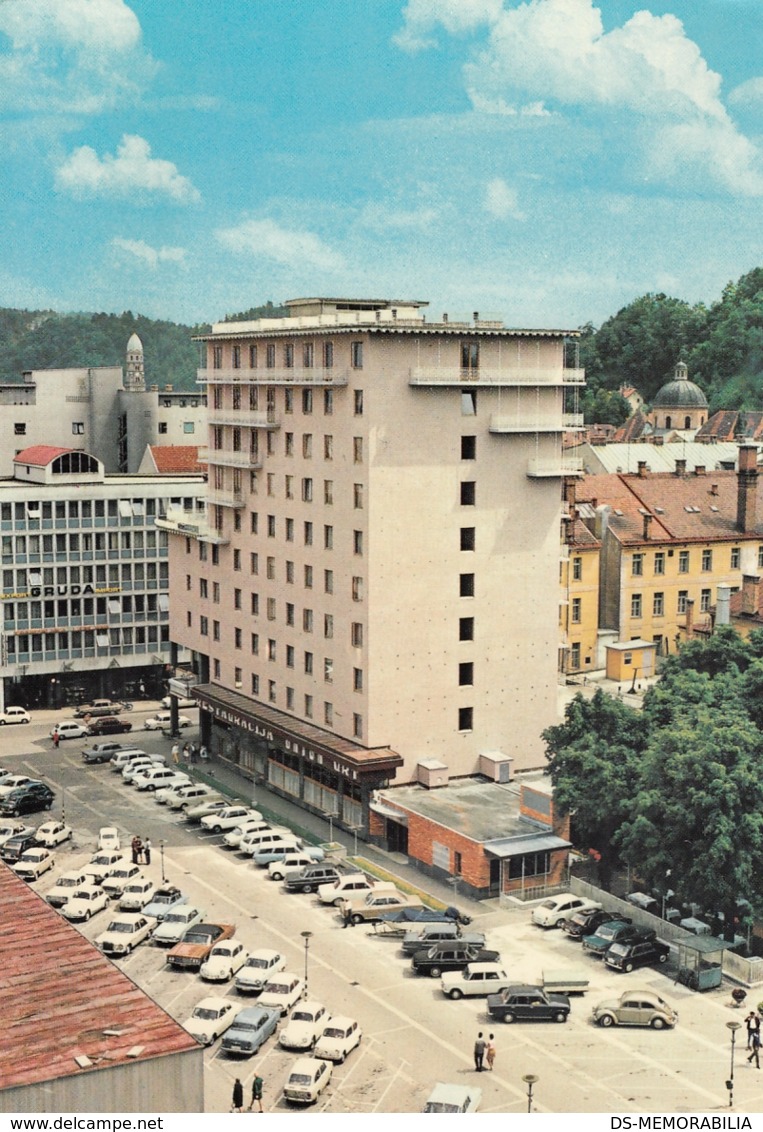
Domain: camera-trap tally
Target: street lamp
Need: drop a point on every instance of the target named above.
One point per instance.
(306, 937)
(733, 1026)
(530, 1079)
(161, 854)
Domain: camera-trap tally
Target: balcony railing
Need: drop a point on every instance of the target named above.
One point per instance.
(192, 525)
(298, 375)
(520, 423)
(529, 376)
(554, 467)
(223, 498)
(228, 459)
(243, 418)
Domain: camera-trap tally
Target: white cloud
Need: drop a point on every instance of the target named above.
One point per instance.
(421, 18)
(146, 254)
(69, 56)
(382, 217)
(133, 173)
(747, 94)
(268, 240)
(502, 201)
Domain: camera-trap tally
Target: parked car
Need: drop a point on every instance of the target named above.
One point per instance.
(346, 886)
(52, 833)
(110, 725)
(450, 957)
(137, 894)
(528, 1004)
(251, 1029)
(10, 829)
(122, 873)
(282, 991)
(176, 922)
(65, 886)
(163, 720)
(210, 1018)
(274, 836)
(120, 760)
(638, 953)
(108, 839)
(228, 818)
(103, 752)
(276, 851)
(258, 970)
(616, 931)
(27, 799)
(10, 782)
(183, 702)
(196, 944)
(15, 715)
(13, 848)
(98, 708)
(85, 902)
(339, 1037)
(198, 810)
(164, 900)
(234, 837)
(34, 863)
(192, 795)
(133, 767)
(428, 935)
(311, 878)
(553, 912)
(636, 1008)
(124, 933)
(588, 923)
(454, 1098)
(70, 729)
(158, 777)
(308, 1078)
(306, 1022)
(223, 961)
(293, 862)
(376, 904)
(476, 980)
(103, 863)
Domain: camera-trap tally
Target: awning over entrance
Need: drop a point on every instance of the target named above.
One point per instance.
(311, 743)
(504, 847)
(388, 812)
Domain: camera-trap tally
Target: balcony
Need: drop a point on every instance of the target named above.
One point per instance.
(298, 375)
(525, 423)
(554, 467)
(228, 459)
(243, 418)
(515, 377)
(191, 524)
(225, 498)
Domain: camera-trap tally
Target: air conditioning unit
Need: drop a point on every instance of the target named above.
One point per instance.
(432, 773)
(496, 766)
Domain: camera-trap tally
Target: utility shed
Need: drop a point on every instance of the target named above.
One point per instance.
(77, 1034)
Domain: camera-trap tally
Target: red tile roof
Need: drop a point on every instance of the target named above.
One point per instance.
(40, 454)
(60, 998)
(171, 459)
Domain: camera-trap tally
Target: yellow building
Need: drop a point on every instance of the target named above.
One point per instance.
(579, 605)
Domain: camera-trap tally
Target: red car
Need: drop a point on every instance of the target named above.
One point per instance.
(109, 725)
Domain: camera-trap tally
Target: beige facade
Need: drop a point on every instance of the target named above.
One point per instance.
(381, 555)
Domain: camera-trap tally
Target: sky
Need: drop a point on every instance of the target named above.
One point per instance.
(545, 162)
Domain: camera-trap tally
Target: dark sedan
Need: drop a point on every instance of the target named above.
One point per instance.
(528, 1004)
(638, 953)
(109, 725)
(450, 957)
(27, 799)
(588, 923)
(617, 931)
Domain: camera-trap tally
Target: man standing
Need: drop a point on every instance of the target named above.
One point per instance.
(257, 1093)
(755, 1048)
(56, 738)
(237, 1102)
(479, 1052)
(147, 850)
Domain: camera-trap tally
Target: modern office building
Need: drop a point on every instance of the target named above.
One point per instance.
(372, 596)
(85, 578)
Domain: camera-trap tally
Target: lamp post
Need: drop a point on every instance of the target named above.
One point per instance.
(306, 937)
(733, 1026)
(530, 1079)
(161, 854)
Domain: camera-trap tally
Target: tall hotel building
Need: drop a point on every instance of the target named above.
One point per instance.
(372, 597)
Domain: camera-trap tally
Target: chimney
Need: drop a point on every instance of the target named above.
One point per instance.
(689, 617)
(680, 467)
(643, 471)
(445, 317)
(750, 594)
(602, 520)
(647, 525)
(713, 488)
(722, 605)
(747, 487)
(476, 316)
(699, 470)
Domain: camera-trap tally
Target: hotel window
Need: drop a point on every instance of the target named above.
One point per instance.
(328, 537)
(328, 402)
(236, 362)
(308, 355)
(328, 447)
(290, 656)
(659, 562)
(307, 620)
(255, 685)
(290, 699)
(217, 438)
(309, 707)
(465, 674)
(288, 356)
(253, 523)
(357, 589)
(658, 605)
(271, 609)
(290, 572)
(308, 533)
(466, 628)
(468, 538)
(289, 443)
(217, 357)
(307, 490)
(357, 496)
(357, 679)
(466, 585)
(328, 355)
(272, 651)
(237, 677)
(470, 355)
(357, 542)
(270, 444)
(289, 613)
(328, 670)
(704, 601)
(254, 398)
(308, 664)
(358, 402)
(215, 630)
(576, 610)
(271, 526)
(216, 669)
(255, 605)
(577, 569)
(307, 446)
(683, 597)
(465, 719)
(270, 356)
(236, 559)
(254, 563)
(271, 483)
(468, 493)
(237, 599)
(707, 561)
(203, 588)
(356, 355)
(357, 725)
(328, 626)
(356, 635)
(635, 605)
(237, 635)
(272, 691)
(308, 577)
(575, 655)
(217, 397)
(252, 358)
(289, 487)
(357, 449)
(328, 714)
(289, 530)
(328, 581)
(637, 565)
(736, 557)
(328, 492)
(468, 447)
(288, 400)
(204, 626)
(255, 644)
(307, 402)
(683, 562)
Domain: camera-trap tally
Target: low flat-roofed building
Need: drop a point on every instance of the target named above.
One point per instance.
(78, 1035)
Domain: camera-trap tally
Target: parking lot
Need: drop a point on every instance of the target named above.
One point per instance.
(412, 1036)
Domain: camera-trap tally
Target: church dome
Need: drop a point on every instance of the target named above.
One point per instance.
(680, 393)
(134, 345)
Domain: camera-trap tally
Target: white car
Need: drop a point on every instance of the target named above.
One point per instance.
(119, 876)
(235, 836)
(137, 894)
(165, 794)
(108, 838)
(340, 1036)
(124, 933)
(553, 912)
(306, 1022)
(282, 991)
(120, 760)
(258, 970)
(102, 864)
(52, 833)
(174, 925)
(134, 767)
(199, 808)
(183, 702)
(349, 886)
(12, 781)
(228, 818)
(477, 980)
(33, 863)
(85, 902)
(255, 841)
(211, 1018)
(70, 729)
(308, 1078)
(9, 829)
(223, 961)
(65, 886)
(291, 863)
(192, 795)
(163, 719)
(159, 777)
(15, 715)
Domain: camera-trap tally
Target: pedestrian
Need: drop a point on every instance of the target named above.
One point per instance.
(192, 752)
(137, 848)
(56, 738)
(186, 751)
(751, 1027)
(479, 1052)
(347, 920)
(147, 850)
(176, 753)
(755, 1049)
(142, 690)
(257, 1093)
(490, 1051)
(237, 1103)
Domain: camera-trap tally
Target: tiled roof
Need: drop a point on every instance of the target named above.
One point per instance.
(729, 424)
(633, 428)
(580, 536)
(171, 459)
(60, 998)
(40, 455)
(683, 508)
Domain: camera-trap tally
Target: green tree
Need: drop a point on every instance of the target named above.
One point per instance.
(593, 762)
(725, 651)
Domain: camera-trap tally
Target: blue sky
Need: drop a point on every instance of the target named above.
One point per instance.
(545, 161)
